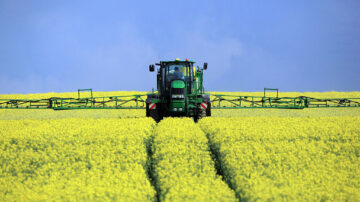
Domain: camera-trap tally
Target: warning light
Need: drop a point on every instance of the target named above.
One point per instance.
(186, 59)
(177, 59)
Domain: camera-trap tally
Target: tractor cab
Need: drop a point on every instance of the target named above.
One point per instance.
(177, 75)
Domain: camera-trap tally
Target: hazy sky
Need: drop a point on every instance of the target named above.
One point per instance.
(57, 46)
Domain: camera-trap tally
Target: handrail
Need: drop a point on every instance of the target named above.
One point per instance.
(85, 89)
(272, 89)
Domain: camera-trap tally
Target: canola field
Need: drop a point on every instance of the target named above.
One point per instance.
(306, 159)
(235, 155)
(75, 159)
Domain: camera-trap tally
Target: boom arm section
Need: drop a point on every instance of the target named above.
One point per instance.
(26, 103)
(237, 102)
(113, 102)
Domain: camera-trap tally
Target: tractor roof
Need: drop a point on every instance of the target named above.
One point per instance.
(177, 61)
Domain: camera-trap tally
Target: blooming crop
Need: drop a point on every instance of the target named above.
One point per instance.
(75, 159)
(247, 154)
(307, 159)
(183, 166)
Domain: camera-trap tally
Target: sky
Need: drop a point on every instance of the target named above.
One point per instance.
(60, 46)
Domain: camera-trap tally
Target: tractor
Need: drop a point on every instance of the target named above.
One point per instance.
(180, 91)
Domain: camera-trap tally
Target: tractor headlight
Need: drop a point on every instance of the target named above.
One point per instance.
(175, 109)
(180, 109)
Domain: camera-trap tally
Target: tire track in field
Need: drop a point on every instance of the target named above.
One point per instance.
(181, 166)
(220, 169)
(150, 163)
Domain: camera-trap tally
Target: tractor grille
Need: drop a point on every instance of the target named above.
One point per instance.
(177, 91)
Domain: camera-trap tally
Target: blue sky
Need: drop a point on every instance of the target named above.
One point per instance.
(60, 46)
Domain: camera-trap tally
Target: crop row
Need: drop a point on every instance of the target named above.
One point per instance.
(308, 112)
(40, 114)
(273, 158)
(182, 163)
(75, 159)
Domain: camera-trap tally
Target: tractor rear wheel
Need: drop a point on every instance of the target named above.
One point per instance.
(208, 109)
(155, 114)
(147, 110)
(200, 113)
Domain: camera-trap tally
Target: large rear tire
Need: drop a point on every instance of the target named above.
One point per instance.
(208, 109)
(155, 114)
(200, 113)
(147, 110)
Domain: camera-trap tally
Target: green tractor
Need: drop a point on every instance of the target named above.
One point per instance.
(180, 91)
